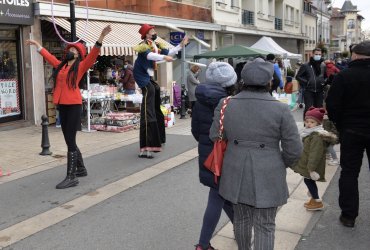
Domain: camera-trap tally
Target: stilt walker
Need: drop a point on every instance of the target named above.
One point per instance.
(152, 132)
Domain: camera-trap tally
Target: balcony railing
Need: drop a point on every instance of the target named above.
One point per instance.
(289, 22)
(247, 17)
(278, 23)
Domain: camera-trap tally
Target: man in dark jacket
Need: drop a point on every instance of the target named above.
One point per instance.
(311, 77)
(348, 106)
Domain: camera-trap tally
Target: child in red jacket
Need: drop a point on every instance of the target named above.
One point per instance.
(66, 77)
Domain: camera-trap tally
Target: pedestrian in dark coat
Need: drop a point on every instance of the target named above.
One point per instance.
(348, 106)
(220, 80)
(263, 140)
(311, 77)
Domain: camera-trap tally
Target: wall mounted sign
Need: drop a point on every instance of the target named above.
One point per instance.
(16, 12)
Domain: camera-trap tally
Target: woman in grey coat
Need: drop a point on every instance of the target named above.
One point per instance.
(263, 140)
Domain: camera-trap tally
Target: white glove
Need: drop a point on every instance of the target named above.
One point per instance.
(314, 176)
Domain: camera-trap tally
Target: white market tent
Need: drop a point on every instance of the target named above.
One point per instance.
(268, 44)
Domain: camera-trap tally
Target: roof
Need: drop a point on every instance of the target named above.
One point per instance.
(233, 52)
(348, 6)
(120, 41)
(268, 44)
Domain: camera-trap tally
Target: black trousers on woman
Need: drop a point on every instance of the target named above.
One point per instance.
(70, 116)
(150, 139)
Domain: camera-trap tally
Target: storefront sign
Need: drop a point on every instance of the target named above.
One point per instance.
(176, 37)
(9, 99)
(16, 12)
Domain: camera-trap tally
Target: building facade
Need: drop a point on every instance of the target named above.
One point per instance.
(244, 22)
(125, 16)
(345, 28)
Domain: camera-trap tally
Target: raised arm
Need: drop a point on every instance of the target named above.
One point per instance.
(94, 53)
(46, 54)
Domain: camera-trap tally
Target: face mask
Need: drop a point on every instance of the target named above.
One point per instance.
(70, 56)
(317, 57)
(125, 66)
(154, 37)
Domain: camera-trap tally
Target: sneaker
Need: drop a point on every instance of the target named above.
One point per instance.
(199, 247)
(308, 202)
(333, 162)
(314, 205)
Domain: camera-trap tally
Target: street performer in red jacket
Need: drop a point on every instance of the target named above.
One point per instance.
(66, 77)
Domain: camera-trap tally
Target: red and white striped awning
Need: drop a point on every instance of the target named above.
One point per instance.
(120, 41)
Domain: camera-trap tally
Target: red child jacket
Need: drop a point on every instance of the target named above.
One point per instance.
(63, 94)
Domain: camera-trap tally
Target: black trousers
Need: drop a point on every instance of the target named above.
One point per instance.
(352, 147)
(150, 135)
(312, 99)
(70, 116)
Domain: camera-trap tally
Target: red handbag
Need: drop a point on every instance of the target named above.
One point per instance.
(214, 160)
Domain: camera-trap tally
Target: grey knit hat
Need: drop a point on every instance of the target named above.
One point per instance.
(257, 72)
(221, 73)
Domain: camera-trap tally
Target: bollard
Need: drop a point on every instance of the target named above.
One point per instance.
(45, 144)
(182, 110)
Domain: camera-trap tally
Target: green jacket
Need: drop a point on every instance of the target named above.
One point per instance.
(313, 157)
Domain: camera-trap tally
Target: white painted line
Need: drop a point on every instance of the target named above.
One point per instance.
(44, 220)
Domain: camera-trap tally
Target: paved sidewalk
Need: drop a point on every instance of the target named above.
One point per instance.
(20, 157)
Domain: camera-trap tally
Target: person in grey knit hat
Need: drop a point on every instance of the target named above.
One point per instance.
(257, 73)
(220, 81)
(221, 73)
(263, 140)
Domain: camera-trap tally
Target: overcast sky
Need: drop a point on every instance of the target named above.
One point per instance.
(363, 6)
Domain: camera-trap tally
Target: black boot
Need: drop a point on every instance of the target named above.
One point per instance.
(81, 169)
(71, 179)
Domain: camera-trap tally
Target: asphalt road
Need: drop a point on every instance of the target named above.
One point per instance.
(164, 212)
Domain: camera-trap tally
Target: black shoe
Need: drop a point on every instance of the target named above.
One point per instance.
(347, 222)
(71, 179)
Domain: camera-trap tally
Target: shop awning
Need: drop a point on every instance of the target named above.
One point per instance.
(120, 41)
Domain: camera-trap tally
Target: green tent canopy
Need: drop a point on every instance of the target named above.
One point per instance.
(232, 52)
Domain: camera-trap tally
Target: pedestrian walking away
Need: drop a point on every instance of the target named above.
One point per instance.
(311, 77)
(66, 78)
(152, 129)
(254, 167)
(312, 163)
(220, 82)
(348, 106)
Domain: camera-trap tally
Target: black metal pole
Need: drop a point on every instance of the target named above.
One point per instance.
(45, 144)
(72, 20)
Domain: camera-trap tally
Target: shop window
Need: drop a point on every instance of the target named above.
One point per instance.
(10, 108)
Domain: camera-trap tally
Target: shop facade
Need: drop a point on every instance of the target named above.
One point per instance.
(15, 21)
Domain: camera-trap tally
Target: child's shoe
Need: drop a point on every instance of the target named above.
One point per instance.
(333, 162)
(314, 205)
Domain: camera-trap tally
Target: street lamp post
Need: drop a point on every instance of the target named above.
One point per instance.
(72, 19)
(183, 83)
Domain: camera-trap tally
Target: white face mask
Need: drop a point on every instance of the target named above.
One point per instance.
(317, 57)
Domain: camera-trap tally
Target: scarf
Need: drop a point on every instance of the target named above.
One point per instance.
(307, 131)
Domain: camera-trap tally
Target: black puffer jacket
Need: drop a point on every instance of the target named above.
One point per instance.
(208, 97)
(348, 101)
(309, 79)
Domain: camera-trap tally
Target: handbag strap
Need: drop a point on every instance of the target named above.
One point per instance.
(222, 115)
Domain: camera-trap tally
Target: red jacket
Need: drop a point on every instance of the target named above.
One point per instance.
(331, 69)
(63, 94)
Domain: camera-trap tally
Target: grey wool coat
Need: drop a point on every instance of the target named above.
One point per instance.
(263, 140)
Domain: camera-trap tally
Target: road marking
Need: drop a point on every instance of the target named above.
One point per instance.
(53, 216)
